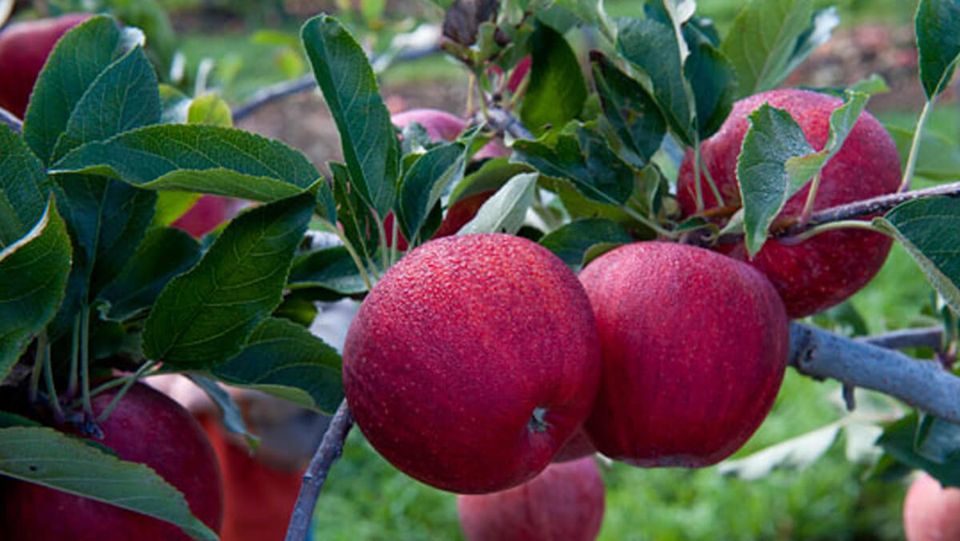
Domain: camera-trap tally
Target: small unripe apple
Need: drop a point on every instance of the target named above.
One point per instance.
(694, 349)
(24, 48)
(564, 503)
(830, 267)
(472, 361)
(146, 427)
(930, 511)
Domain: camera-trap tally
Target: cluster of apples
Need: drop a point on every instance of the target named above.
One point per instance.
(480, 359)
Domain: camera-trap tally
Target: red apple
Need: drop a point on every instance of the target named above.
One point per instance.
(206, 214)
(472, 361)
(147, 427)
(830, 267)
(930, 511)
(694, 350)
(24, 48)
(564, 503)
(578, 446)
(443, 126)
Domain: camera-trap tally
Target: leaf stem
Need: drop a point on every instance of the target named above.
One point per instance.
(48, 377)
(915, 145)
(811, 198)
(34, 388)
(85, 360)
(74, 357)
(830, 226)
(361, 268)
(123, 390)
(697, 187)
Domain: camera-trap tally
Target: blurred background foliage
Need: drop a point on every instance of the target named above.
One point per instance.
(240, 46)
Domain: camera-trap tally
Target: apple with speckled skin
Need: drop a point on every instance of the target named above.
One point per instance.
(830, 267)
(579, 446)
(207, 214)
(564, 503)
(930, 511)
(24, 48)
(472, 361)
(146, 427)
(694, 350)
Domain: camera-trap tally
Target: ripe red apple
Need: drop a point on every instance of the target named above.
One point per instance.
(206, 214)
(830, 267)
(472, 361)
(578, 446)
(444, 126)
(564, 503)
(694, 349)
(930, 511)
(147, 427)
(24, 48)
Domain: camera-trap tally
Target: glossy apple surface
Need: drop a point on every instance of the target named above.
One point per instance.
(472, 361)
(694, 350)
(828, 268)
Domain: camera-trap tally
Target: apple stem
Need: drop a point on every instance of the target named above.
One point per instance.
(329, 450)
(922, 384)
(127, 383)
(697, 185)
(915, 145)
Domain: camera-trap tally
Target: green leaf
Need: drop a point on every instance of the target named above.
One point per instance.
(368, 139)
(210, 110)
(331, 269)
(842, 119)
(197, 158)
(230, 413)
(713, 80)
(821, 27)
(123, 97)
(938, 43)
(46, 457)
(172, 205)
(938, 158)
(493, 174)
(571, 242)
(586, 160)
(33, 274)
(284, 359)
(424, 183)
(203, 316)
(629, 109)
(359, 224)
(928, 229)
(77, 60)
(505, 211)
(763, 39)
(652, 46)
(765, 184)
(164, 253)
(23, 187)
(901, 439)
(557, 90)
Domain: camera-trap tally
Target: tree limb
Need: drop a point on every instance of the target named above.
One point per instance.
(330, 449)
(922, 384)
(8, 118)
(930, 337)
